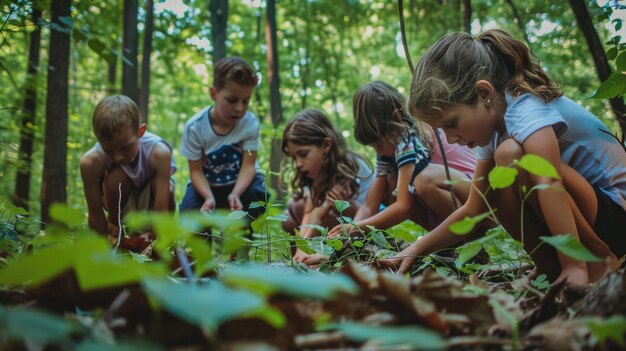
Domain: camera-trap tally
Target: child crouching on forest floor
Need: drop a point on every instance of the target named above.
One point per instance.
(128, 168)
(221, 142)
(488, 92)
(326, 170)
(410, 179)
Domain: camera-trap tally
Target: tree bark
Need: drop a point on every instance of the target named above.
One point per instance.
(129, 68)
(22, 180)
(219, 20)
(467, 16)
(274, 82)
(599, 56)
(521, 23)
(144, 93)
(53, 184)
(112, 76)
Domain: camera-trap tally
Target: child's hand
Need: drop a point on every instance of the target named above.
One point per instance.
(338, 230)
(208, 205)
(234, 202)
(402, 261)
(337, 192)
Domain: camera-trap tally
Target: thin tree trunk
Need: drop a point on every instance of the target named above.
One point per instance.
(307, 59)
(129, 68)
(112, 76)
(219, 20)
(22, 180)
(274, 82)
(599, 56)
(144, 92)
(467, 16)
(55, 150)
(521, 23)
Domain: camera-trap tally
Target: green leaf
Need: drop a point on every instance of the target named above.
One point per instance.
(611, 53)
(290, 283)
(358, 243)
(620, 62)
(237, 214)
(204, 306)
(467, 224)
(256, 204)
(62, 213)
(379, 239)
(96, 45)
(411, 337)
(541, 282)
(341, 205)
(612, 328)
(336, 244)
(612, 87)
(36, 326)
(502, 177)
(304, 246)
(323, 230)
(570, 247)
(280, 218)
(538, 165)
(467, 251)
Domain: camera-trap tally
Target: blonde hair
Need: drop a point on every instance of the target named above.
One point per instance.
(113, 114)
(312, 127)
(379, 114)
(447, 73)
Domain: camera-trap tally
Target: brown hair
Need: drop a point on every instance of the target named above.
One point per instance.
(113, 114)
(312, 127)
(379, 114)
(234, 69)
(447, 73)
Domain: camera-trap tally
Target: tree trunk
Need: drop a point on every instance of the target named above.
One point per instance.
(521, 23)
(307, 59)
(274, 82)
(22, 180)
(467, 16)
(599, 56)
(55, 149)
(219, 19)
(144, 93)
(129, 68)
(112, 76)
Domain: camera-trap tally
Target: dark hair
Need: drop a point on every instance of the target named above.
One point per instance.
(113, 114)
(379, 113)
(234, 69)
(312, 127)
(447, 73)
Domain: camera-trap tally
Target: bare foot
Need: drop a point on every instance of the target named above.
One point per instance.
(574, 275)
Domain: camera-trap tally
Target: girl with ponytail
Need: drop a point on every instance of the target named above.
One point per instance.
(490, 93)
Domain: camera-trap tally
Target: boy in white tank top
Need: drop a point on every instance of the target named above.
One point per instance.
(128, 169)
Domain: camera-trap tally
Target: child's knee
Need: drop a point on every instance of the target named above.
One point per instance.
(507, 152)
(426, 181)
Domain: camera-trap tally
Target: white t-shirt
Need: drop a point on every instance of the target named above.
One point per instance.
(584, 141)
(223, 153)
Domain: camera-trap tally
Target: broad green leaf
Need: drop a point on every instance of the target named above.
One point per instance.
(612, 328)
(96, 45)
(538, 165)
(379, 239)
(467, 224)
(62, 213)
(620, 62)
(256, 204)
(237, 214)
(296, 284)
(200, 250)
(280, 218)
(502, 177)
(411, 337)
(570, 247)
(611, 53)
(467, 251)
(37, 326)
(612, 87)
(336, 244)
(358, 243)
(102, 269)
(341, 205)
(203, 306)
(304, 246)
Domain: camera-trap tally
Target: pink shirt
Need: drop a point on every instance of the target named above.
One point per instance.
(459, 157)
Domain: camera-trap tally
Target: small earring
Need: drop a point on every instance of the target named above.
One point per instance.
(488, 102)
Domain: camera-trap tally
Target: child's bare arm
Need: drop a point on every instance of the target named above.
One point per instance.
(201, 184)
(244, 179)
(91, 170)
(160, 161)
(441, 237)
(374, 198)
